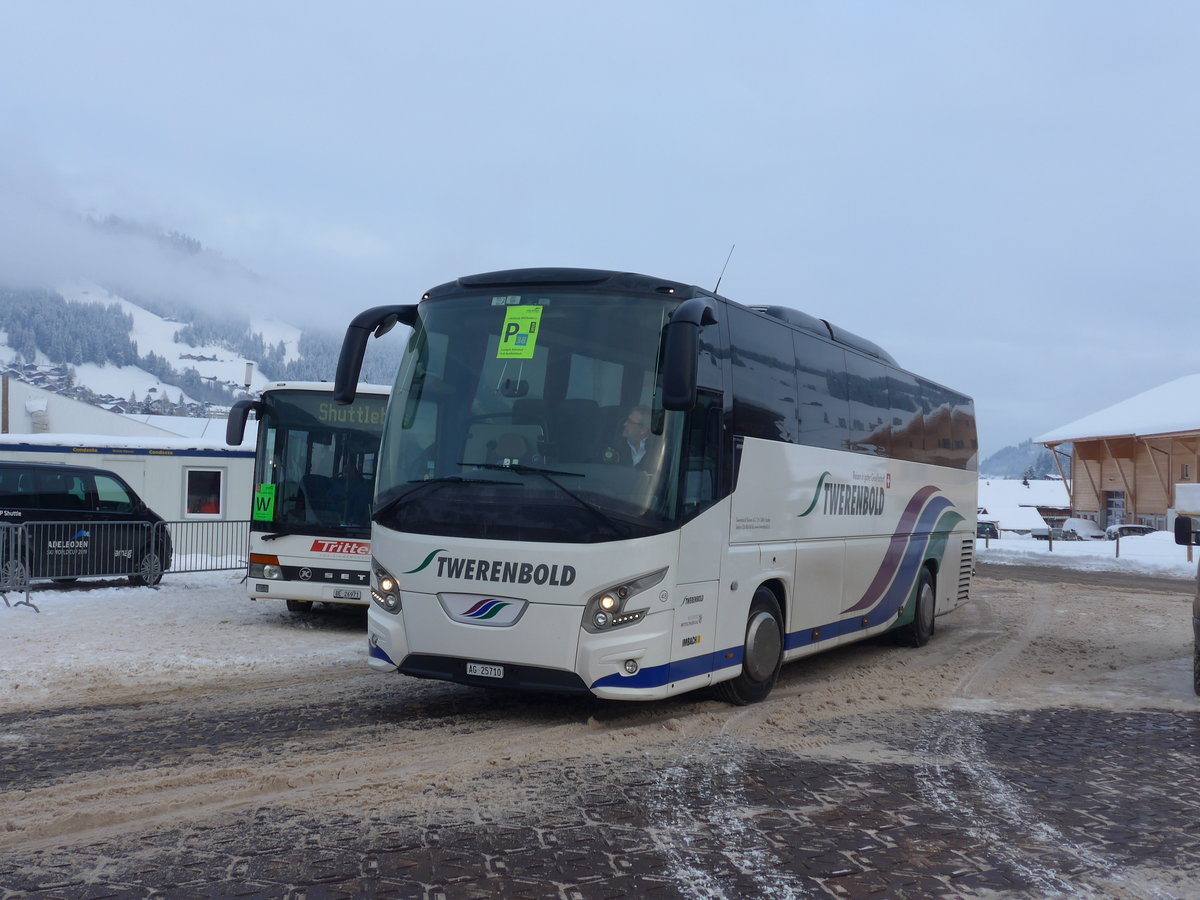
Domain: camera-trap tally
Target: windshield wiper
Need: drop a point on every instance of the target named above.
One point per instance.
(421, 484)
(318, 529)
(283, 532)
(618, 528)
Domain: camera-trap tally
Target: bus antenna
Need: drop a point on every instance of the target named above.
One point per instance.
(724, 267)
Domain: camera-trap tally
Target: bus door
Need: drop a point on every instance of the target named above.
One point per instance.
(704, 537)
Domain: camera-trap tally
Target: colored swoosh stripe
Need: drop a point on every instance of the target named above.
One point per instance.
(931, 544)
(428, 560)
(816, 495)
(906, 551)
(895, 551)
(485, 609)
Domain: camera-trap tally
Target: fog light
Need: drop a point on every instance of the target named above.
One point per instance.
(631, 666)
(600, 619)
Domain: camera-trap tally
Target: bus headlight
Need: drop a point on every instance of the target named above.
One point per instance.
(610, 608)
(265, 566)
(385, 589)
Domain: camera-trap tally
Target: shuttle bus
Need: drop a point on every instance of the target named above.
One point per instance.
(603, 482)
(310, 521)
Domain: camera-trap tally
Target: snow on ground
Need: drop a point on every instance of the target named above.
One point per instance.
(1151, 554)
(84, 644)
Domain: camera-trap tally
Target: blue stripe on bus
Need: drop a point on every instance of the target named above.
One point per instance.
(705, 663)
(378, 653)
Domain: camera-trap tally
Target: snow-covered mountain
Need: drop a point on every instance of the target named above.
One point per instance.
(157, 368)
(153, 333)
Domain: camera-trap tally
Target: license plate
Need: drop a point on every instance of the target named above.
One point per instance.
(346, 594)
(485, 671)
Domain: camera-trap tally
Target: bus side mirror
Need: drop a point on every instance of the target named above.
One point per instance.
(681, 350)
(1184, 533)
(378, 319)
(235, 425)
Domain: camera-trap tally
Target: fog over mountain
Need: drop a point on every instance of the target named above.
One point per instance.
(111, 310)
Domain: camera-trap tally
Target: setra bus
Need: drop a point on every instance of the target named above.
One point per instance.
(607, 482)
(314, 466)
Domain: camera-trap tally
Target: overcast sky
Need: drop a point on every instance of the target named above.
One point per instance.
(1004, 195)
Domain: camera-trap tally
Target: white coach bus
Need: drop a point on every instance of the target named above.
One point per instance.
(310, 519)
(606, 482)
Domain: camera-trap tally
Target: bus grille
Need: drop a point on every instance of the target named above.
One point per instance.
(966, 564)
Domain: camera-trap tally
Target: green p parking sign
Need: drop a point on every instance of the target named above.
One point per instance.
(519, 335)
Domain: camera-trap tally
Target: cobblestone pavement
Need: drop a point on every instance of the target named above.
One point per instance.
(916, 803)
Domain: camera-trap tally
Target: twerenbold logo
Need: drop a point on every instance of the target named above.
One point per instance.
(485, 609)
(816, 495)
(430, 558)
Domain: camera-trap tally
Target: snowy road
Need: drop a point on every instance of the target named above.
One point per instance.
(1045, 743)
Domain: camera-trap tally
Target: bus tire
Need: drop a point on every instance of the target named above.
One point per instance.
(918, 632)
(298, 606)
(762, 654)
(1196, 666)
(150, 570)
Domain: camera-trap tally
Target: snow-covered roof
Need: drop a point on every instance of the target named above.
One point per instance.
(133, 443)
(184, 426)
(1013, 505)
(1166, 409)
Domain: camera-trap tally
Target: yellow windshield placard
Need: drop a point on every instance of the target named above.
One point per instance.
(519, 335)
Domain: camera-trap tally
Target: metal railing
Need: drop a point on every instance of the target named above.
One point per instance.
(40, 554)
(208, 546)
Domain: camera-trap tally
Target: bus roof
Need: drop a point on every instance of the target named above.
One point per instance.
(631, 281)
(323, 387)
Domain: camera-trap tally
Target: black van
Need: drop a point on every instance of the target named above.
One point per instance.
(76, 522)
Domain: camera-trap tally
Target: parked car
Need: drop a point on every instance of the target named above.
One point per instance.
(987, 530)
(1081, 530)
(76, 522)
(1112, 532)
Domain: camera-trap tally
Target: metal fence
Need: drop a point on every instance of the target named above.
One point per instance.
(41, 554)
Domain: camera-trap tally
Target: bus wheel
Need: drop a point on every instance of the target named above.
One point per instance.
(298, 606)
(762, 655)
(918, 632)
(1196, 667)
(149, 570)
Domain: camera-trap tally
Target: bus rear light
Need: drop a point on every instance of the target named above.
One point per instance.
(263, 565)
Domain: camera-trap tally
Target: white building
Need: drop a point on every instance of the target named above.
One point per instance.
(198, 478)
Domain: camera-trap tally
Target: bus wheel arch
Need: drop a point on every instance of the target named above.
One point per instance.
(762, 651)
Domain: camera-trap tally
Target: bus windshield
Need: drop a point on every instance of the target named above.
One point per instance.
(532, 417)
(316, 463)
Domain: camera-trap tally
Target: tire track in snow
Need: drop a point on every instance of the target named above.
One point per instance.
(989, 807)
(675, 821)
